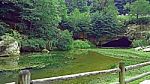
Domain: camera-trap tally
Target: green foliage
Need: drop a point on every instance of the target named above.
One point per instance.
(34, 43)
(141, 20)
(3, 28)
(15, 35)
(79, 22)
(77, 4)
(7, 39)
(139, 7)
(103, 24)
(140, 43)
(123, 18)
(64, 40)
(45, 17)
(110, 8)
(38, 19)
(79, 44)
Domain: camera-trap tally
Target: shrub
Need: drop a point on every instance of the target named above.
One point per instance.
(61, 41)
(64, 40)
(141, 42)
(33, 43)
(17, 36)
(79, 44)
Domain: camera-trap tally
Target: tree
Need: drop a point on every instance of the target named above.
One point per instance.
(139, 7)
(110, 8)
(36, 19)
(104, 21)
(77, 4)
(79, 22)
(103, 24)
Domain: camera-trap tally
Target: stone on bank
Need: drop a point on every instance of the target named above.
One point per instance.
(9, 46)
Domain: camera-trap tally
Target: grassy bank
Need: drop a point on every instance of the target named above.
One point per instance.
(130, 57)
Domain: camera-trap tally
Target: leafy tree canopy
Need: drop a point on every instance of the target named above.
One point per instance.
(139, 7)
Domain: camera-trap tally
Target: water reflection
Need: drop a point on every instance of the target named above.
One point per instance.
(7, 63)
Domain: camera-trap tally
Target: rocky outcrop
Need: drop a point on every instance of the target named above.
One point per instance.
(9, 47)
(13, 48)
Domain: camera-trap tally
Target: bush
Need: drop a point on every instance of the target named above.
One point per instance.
(79, 44)
(141, 42)
(61, 41)
(33, 44)
(65, 40)
(17, 36)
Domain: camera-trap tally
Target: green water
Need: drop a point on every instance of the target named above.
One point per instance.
(54, 64)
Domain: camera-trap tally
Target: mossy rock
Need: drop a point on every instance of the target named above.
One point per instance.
(45, 51)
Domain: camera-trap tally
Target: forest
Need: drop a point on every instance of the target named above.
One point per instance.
(60, 36)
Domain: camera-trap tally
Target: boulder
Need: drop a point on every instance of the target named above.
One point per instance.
(13, 49)
(45, 51)
(9, 47)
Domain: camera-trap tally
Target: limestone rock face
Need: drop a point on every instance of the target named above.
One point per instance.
(13, 49)
(9, 47)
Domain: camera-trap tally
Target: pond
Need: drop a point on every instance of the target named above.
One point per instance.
(55, 63)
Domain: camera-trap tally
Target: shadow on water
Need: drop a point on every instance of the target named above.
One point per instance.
(55, 64)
